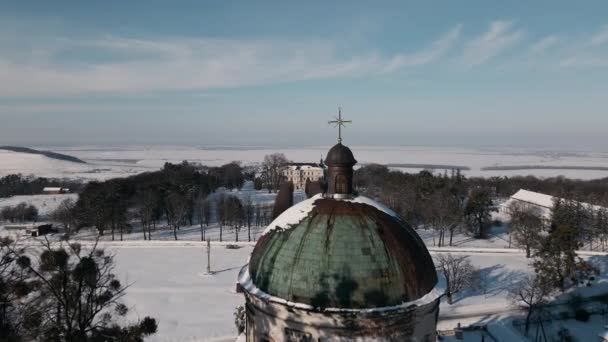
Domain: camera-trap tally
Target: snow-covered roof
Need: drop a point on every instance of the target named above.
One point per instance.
(304, 167)
(298, 212)
(541, 200)
(535, 198)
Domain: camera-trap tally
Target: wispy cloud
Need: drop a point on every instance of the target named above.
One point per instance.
(601, 37)
(497, 39)
(117, 64)
(430, 54)
(544, 44)
(585, 61)
(135, 64)
(57, 65)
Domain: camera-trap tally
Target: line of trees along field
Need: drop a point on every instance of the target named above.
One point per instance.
(177, 195)
(16, 184)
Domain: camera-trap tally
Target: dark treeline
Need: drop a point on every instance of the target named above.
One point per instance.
(22, 212)
(176, 195)
(448, 201)
(13, 185)
(590, 191)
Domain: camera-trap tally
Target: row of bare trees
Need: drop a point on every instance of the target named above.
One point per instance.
(174, 195)
(22, 212)
(445, 203)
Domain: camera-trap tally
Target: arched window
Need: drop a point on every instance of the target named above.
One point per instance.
(341, 184)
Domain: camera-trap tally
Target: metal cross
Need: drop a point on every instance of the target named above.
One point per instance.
(339, 123)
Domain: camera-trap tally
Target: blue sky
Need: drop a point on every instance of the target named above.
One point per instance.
(480, 73)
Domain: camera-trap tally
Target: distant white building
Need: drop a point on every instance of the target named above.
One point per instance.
(55, 190)
(542, 201)
(299, 173)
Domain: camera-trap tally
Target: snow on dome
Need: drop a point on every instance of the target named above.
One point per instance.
(298, 212)
(293, 215)
(371, 202)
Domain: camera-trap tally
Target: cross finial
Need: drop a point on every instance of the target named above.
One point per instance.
(339, 123)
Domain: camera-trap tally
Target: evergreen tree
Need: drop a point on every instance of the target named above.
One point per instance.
(478, 210)
(557, 263)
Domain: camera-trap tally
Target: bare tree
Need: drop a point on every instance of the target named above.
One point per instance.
(177, 208)
(531, 293)
(234, 213)
(64, 214)
(600, 223)
(249, 209)
(272, 170)
(146, 206)
(220, 208)
(526, 226)
(203, 212)
(458, 272)
(445, 214)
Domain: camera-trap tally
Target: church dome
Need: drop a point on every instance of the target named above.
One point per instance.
(343, 254)
(340, 155)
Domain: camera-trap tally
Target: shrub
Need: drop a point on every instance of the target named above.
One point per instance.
(232, 246)
(239, 319)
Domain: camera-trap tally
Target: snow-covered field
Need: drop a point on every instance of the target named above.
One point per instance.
(169, 283)
(108, 162)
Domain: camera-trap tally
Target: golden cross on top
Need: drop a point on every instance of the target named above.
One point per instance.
(339, 123)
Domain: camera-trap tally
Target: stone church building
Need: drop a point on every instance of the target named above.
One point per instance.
(340, 267)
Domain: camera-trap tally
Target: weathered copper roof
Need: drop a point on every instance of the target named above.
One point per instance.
(343, 254)
(340, 155)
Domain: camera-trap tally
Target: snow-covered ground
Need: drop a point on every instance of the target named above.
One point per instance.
(169, 283)
(108, 162)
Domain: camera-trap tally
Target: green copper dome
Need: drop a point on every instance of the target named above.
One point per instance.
(350, 254)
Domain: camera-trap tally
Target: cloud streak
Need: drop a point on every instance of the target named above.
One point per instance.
(497, 39)
(601, 37)
(58, 65)
(433, 52)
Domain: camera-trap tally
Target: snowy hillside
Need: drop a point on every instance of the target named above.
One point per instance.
(42, 166)
(105, 162)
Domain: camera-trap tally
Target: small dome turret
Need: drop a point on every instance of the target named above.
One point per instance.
(340, 162)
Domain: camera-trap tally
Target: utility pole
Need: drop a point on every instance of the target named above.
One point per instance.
(208, 256)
